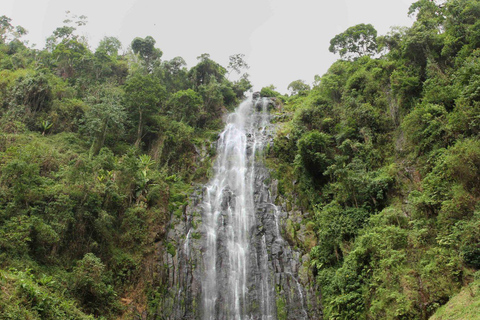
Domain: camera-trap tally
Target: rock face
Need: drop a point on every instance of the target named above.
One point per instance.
(225, 257)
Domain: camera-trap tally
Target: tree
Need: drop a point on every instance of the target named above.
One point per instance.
(242, 85)
(143, 95)
(355, 42)
(206, 70)
(213, 99)
(333, 82)
(31, 95)
(392, 41)
(175, 66)
(427, 13)
(298, 87)
(66, 33)
(69, 50)
(7, 30)
(237, 63)
(145, 48)
(425, 127)
(106, 62)
(269, 91)
(185, 105)
(174, 74)
(106, 114)
(109, 45)
(461, 26)
(70, 56)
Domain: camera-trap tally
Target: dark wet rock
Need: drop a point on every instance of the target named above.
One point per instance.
(271, 259)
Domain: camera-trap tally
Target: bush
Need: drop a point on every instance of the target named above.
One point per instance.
(425, 127)
(91, 285)
(66, 115)
(314, 153)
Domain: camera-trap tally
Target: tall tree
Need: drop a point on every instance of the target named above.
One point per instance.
(145, 48)
(355, 42)
(107, 61)
(106, 114)
(185, 105)
(109, 45)
(66, 32)
(206, 70)
(71, 56)
(7, 30)
(237, 63)
(174, 74)
(143, 97)
(298, 87)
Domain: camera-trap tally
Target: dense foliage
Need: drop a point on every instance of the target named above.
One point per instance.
(97, 149)
(384, 151)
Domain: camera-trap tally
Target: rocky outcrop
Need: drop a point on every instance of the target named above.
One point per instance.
(277, 274)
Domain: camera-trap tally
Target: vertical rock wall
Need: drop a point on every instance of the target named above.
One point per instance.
(278, 280)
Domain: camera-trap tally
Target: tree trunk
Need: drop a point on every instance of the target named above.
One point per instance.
(139, 130)
(99, 139)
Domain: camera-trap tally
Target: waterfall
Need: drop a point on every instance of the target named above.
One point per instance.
(229, 220)
(232, 262)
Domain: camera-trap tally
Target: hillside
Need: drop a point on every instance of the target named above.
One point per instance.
(97, 150)
(383, 152)
(376, 167)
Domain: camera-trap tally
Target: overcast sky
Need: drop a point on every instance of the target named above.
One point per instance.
(283, 40)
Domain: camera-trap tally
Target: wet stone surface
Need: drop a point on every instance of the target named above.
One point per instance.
(231, 260)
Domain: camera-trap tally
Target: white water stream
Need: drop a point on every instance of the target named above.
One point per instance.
(229, 216)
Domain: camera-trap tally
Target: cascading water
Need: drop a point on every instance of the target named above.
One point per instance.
(229, 214)
(232, 262)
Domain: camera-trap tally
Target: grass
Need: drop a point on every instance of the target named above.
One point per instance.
(465, 305)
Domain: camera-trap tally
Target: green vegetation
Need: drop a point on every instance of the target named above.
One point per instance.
(97, 150)
(464, 305)
(384, 152)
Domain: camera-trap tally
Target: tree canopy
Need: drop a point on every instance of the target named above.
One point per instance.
(145, 48)
(355, 42)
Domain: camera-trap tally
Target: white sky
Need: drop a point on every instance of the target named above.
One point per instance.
(283, 40)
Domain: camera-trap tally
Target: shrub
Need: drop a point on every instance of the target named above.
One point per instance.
(91, 285)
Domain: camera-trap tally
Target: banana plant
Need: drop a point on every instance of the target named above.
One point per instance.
(46, 125)
(144, 162)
